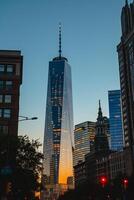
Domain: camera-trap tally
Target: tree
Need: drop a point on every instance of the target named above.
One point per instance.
(24, 161)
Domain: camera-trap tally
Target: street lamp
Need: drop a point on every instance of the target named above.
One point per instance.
(26, 118)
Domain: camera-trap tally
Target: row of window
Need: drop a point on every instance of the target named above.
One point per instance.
(9, 69)
(5, 98)
(6, 85)
(5, 113)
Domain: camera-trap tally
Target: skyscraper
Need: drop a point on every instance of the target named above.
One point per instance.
(10, 81)
(115, 120)
(58, 135)
(84, 134)
(126, 68)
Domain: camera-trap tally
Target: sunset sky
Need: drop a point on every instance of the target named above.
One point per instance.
(91, 31)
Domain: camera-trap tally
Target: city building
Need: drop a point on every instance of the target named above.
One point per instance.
(84, 134)
(125, 51)
(115, 120)
(101, 145)
(117, 164)
(80, 174)
(58, 134)
(94, 159)
(11, 62)
(110, 165)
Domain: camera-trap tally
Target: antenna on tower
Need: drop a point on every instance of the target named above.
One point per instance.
(60, 40)
(126, 2)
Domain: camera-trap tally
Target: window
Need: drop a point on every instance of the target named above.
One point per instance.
(9, 68)
(2, 68)
(7, 98)
(3, 129)
(0, 112)
(6, 69)
(1, 84)
(6, 113)
(1, 98)
(9, 84)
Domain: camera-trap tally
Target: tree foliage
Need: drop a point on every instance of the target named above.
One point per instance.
(24, 160)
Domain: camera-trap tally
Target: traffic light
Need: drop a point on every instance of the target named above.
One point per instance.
(103, 181)
(9, 187)
(125, 183)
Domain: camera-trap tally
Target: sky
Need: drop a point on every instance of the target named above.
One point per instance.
(91, 30)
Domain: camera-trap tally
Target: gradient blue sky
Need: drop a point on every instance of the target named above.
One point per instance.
(91, 30)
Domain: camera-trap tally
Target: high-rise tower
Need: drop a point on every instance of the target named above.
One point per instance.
(58, 135)
(126, 68)
(115, 120)
(84, 134)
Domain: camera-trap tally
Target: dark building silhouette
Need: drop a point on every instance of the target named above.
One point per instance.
(96, 162)
(126, 68)
(80, 173)
(10, 81)
(101, 133)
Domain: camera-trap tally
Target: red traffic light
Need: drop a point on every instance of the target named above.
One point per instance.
(125, 182)
(103, 180)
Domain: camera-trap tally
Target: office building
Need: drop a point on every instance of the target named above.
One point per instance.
(115, 120)
(80, 174)
(125, 51)
(10, 81)
(58, 134)
(84, 134)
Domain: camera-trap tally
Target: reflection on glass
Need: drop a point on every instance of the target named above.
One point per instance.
(58, 136)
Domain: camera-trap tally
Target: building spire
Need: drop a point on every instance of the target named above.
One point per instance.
(126, 2)
(60, 40)
(100, 111)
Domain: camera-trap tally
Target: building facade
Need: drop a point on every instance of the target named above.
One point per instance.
(84, 134)
(125, 51)
(80, 174)
(115, 120)
(11, 62)
(58, 135)
(101, 145)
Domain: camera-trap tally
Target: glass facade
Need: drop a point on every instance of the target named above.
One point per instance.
(84, 135)
(115, 120)
(58, 135)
